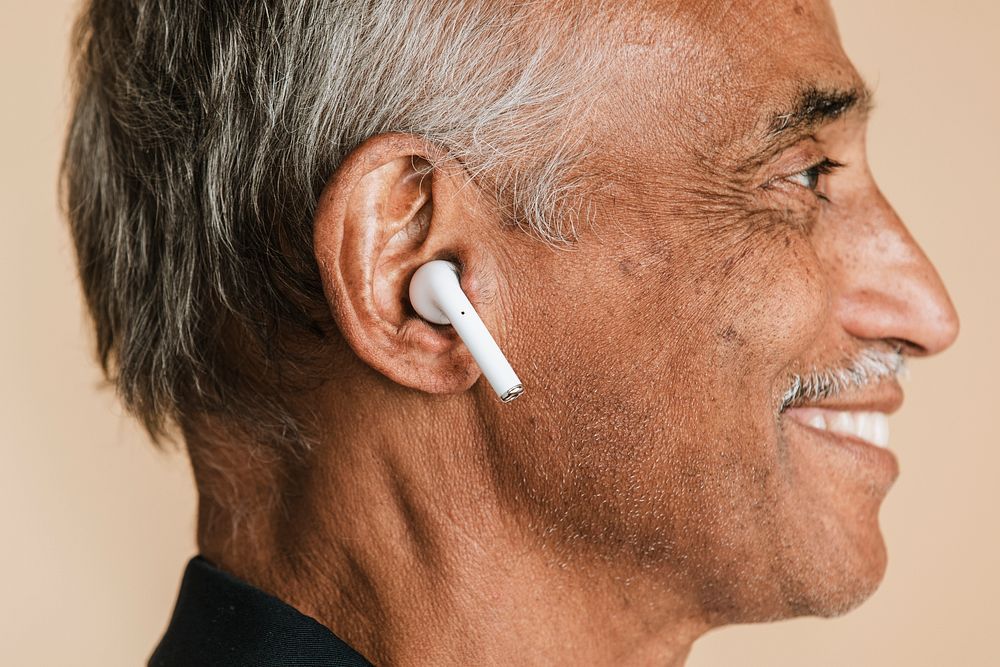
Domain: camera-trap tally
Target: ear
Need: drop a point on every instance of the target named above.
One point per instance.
(383, 214)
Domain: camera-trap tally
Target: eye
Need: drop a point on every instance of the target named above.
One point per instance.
(809, 178)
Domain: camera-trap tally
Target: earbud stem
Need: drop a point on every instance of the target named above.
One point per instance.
(483, 347)
(436, 294)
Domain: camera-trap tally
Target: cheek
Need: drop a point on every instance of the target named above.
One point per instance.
(650, 413)
(775, 302)
(724, 312)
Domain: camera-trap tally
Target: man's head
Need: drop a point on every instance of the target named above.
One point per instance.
(710, 264)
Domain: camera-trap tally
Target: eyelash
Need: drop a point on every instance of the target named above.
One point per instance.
(824, 166)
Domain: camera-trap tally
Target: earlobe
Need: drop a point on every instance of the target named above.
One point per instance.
(382, 215)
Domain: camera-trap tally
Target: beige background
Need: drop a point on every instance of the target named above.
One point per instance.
(96, 524)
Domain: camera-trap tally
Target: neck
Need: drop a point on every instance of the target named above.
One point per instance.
(394, 534)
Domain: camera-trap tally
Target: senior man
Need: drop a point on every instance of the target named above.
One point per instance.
(662, 211)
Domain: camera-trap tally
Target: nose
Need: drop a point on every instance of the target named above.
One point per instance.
(889, 290)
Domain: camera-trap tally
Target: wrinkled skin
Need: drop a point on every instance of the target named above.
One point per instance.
(646, 487)
(692, 304)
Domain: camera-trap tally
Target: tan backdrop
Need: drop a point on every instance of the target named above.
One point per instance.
(96, 524)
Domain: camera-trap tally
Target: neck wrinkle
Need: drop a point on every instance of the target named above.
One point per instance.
(393, 534)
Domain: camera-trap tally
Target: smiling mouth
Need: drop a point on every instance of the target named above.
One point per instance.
(849, 403)
(867, 426)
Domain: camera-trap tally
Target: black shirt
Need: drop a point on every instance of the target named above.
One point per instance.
(221, 621)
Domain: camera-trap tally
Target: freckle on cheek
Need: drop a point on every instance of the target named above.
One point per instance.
(731, 335)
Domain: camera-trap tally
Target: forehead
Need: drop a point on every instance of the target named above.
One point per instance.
(724, 68)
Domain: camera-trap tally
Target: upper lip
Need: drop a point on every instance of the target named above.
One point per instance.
(885, 396)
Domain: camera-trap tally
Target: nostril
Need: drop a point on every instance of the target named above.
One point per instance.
(907, 348)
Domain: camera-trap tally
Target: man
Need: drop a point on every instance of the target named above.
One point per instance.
(662, 212)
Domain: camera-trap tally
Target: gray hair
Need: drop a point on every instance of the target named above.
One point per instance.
(868, 366)
(203, 133)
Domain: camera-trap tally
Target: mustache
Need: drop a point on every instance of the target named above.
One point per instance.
(869, 366)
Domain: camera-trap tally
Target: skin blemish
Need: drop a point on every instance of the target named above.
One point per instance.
(731, 335)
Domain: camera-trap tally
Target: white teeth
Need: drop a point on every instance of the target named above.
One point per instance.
(843, 422)
(871, 427)
(864, 425)
(880, 434)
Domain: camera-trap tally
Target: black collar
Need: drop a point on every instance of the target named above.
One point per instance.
(220, 620)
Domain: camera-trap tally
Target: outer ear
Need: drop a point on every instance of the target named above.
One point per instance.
(382, 215)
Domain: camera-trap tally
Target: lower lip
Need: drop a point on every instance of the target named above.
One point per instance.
(877, 461)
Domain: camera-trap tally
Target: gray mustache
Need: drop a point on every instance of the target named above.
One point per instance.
(867, 367)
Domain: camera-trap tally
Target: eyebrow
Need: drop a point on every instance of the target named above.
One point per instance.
(812, 107)
(816, 106)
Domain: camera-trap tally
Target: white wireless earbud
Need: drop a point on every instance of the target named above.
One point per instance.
(437, 297)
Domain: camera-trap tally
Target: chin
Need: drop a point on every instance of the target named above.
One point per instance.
(847, 579)
(826, 590)
(818, 578)
(856, 591)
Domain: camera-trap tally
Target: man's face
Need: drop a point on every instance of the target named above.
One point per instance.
(723, 261)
